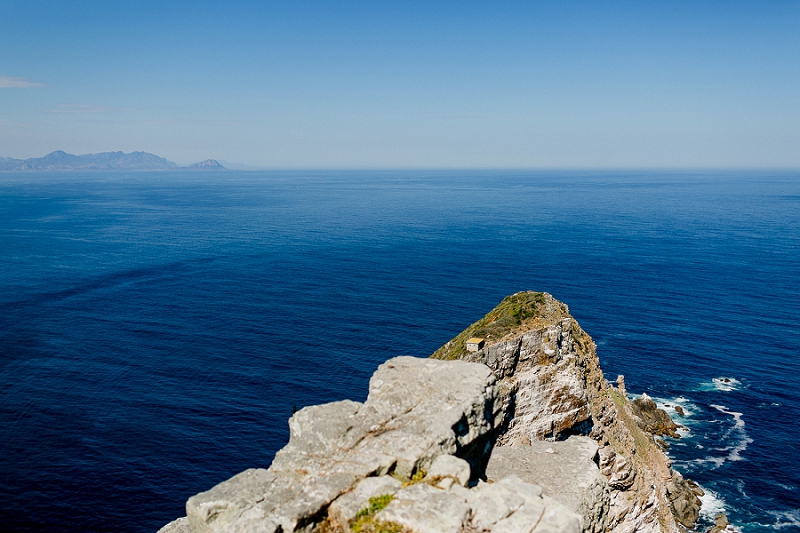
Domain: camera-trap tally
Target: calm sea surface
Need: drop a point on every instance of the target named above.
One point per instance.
(156, 329)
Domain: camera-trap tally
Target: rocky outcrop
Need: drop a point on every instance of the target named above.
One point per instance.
(652, 419)
(565, 470)
(548, 371)
(523, 435)
(403, 459)
(720, 524)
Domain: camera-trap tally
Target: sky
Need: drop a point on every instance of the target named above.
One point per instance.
(406, 84)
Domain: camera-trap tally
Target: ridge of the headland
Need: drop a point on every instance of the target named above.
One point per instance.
(509, 427)
(549, 371)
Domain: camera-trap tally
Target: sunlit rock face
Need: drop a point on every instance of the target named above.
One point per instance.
(552, 386)
(509, 427)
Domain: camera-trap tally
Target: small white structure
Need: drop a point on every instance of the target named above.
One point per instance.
(474, 344)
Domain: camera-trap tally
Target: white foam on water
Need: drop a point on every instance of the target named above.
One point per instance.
(685, 420)
(668, 405)
(712, 503)
(784, 486)
(729, 446)
(790, 518)
(722, 384)
(736, 434)
(716, 461)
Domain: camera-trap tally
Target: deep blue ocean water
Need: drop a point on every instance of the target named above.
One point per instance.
(157, 329)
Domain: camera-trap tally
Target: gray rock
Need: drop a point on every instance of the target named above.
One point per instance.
(449, 467)
(426, 509)
(551, 382)
(181, 525)
(557, 519)
(522, 521)
(543, 373)
(536, 514)
(345, 507)
(622, 475)
(416, 411)
(493, 502)
(720, 524)
(650, 418)
(683, 499)
(565, 470)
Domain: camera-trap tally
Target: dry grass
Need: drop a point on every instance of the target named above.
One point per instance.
(519, 311)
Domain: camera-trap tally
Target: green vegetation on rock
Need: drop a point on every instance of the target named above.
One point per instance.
(522, 309)
(376, 503)
(417, 477)
(365, 522)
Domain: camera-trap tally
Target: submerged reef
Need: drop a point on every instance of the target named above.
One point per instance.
(517, 433)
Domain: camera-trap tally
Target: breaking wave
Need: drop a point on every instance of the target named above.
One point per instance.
(687, 408)
(737, 434)
(712, 504)
(722, 383)
(733, 441)
(790, 518)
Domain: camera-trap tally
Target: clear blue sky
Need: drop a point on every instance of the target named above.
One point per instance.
(405, 84)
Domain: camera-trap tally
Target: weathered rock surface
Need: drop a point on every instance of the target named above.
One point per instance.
(552, 386)
(446, 470)
(544, 378)
(346, 507)
(565, 470)
(720, 524)
(652, 419)
(181, 525)
(485, 444)
(421, 415)
(684, 501)
(416, 411)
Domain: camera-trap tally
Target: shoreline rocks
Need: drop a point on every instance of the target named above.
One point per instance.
(652, 419)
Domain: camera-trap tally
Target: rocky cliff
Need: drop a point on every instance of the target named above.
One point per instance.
(548, 371)
(522, 435)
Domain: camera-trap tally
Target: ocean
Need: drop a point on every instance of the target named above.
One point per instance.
(158, 329)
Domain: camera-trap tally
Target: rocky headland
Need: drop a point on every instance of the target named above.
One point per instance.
(509, 427)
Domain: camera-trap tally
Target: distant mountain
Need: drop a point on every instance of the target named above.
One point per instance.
(60, 160)
(207, 164)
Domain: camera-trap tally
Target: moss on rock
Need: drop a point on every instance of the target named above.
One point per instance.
(517, 312)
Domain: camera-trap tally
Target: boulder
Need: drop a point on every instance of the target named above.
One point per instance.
(720, 524)
(425, 509)
(683, 499)
(447, 469)
(346, 507)
(652, 419)
(565, 470)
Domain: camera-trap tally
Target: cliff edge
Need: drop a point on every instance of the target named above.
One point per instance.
(552, 387)
(508, 428)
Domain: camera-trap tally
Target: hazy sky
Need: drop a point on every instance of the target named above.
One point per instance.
(404, 84)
